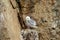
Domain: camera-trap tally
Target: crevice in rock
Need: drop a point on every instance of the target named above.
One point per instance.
(20, 15)
(12, 5)
(23, 26)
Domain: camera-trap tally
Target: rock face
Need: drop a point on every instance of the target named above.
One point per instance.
(9, 24)
(46, 13)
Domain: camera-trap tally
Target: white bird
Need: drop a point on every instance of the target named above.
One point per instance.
(30, 22)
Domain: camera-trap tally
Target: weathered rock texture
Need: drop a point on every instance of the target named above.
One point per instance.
(9, 24)
(45, 12)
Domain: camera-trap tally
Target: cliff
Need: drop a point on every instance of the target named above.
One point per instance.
(46, 14)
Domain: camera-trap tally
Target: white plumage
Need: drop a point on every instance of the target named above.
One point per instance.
(30, 22)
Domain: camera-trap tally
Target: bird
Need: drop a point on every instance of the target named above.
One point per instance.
(31, 23)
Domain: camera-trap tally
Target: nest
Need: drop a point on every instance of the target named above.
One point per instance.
(29, 34)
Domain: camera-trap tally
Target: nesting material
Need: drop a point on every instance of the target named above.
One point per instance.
(30, 22)
(29, 34)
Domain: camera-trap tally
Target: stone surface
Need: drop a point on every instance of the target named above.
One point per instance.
(46, 13)
(29, 34)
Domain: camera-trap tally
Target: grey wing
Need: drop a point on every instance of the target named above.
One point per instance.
(28, 24)
(31, 22)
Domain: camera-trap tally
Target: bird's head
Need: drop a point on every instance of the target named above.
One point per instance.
(27, 18)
